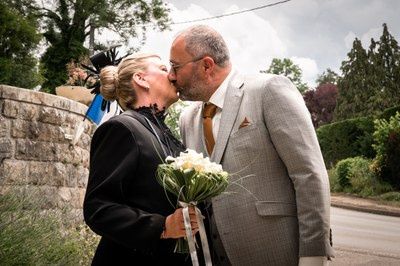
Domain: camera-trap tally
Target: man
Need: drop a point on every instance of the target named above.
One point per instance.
(260, 130)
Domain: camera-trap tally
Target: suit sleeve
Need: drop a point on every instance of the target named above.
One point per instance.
(293, 135)
(114, 158)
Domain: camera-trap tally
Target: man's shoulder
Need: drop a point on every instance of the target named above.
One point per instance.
(264, 78)
(265, 83)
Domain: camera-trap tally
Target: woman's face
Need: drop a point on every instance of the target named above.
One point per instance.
(160, 88)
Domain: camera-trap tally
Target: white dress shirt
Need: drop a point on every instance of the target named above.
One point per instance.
(218, 99)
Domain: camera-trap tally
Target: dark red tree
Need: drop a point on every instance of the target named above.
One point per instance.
(321, 103)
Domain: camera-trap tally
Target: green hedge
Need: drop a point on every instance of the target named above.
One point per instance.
(347, 138)
(389, 112)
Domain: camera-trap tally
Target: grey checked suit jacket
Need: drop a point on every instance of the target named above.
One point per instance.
(278, 205)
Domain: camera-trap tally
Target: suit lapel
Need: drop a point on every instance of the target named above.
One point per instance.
(230, 110)
(198, 120)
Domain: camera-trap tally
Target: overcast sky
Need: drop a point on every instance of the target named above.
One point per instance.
(315, 34)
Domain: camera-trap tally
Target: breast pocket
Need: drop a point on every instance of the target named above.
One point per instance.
(248, 144)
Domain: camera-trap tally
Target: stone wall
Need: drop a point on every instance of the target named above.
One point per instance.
(36, 157)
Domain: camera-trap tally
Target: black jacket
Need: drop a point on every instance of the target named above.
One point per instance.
(124, 202)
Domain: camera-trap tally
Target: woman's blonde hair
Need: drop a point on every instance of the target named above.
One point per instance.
(116, 81)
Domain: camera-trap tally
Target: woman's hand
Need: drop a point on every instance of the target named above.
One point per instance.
(175, 225)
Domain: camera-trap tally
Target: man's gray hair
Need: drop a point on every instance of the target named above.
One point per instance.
(202, 40)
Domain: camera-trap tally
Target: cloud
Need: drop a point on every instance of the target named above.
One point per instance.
(365, 37)
(349, 39)
(309, 68)
(251, 50)
(371, 33)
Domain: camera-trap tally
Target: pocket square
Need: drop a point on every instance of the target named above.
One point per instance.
(244, 123)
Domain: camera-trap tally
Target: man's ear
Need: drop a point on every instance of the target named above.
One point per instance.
(208, 64)
(140, 80)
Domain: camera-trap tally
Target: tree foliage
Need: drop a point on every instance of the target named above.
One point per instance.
(66, 25)
(370, 81)
(327, 77)
(287, 68)
(19, 39)
(321, 103)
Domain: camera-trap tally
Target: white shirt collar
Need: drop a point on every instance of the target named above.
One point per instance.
(218, 96)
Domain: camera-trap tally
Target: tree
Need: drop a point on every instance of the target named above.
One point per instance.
(321, 103)
(19, 39)
(67, 25)
(386, 60)
(371, 80)
(290, 70)
(328, 76)
(354, 90)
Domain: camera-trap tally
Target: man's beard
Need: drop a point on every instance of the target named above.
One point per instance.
(195, 92)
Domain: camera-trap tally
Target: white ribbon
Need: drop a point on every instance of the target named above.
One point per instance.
(191, 240)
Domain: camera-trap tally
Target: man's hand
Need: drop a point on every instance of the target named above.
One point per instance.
(175, 225)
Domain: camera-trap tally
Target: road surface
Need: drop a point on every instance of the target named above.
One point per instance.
(361, 238)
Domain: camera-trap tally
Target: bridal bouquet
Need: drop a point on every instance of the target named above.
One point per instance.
(192, 179)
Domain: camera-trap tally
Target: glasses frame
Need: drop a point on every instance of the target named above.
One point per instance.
(176, 67)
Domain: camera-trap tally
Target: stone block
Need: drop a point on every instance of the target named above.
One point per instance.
(46, 173)
(6, 149)
(4, 127)
(51, 115)
(59, 174)
(70, 176)
(69, 197)
(35, 150)
(14, 172)
(64, 153)
(34, 130)
(21, 110)
(83, 177)
(19, 128)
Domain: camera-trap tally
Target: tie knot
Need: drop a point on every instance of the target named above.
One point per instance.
(209, 110)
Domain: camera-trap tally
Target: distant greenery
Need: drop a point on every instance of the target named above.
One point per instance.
(172, 119)
(353, 175)
(327, 77)
(289, 69)
(31, 236)
(18, 42)
(377, 176)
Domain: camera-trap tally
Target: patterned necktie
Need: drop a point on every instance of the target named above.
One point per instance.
(208, 114)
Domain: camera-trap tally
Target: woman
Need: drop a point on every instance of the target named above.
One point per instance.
(123, 202)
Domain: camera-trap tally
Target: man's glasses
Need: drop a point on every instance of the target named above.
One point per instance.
(175, 67)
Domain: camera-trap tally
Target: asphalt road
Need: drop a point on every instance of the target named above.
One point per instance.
(365, 239)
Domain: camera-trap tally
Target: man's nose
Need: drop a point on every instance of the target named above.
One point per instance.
(172, 76)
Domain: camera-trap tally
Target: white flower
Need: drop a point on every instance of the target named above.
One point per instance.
(190, 159)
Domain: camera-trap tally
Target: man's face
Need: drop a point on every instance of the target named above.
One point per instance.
(185, 72)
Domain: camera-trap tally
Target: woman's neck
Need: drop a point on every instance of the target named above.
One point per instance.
(148, 103)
